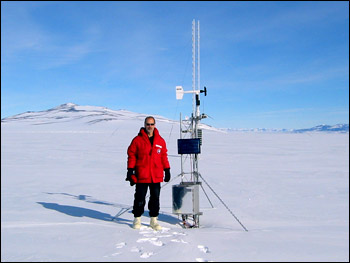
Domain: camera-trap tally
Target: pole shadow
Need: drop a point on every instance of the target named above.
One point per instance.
(84, 212)
(90, 199)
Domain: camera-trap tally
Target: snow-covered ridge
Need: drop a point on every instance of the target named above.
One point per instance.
(69, 112)
(326, 128)
(342, 128)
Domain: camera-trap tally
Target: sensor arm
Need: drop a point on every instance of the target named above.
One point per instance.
(180, 92)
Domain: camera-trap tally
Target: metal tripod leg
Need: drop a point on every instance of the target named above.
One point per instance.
(223, 203)
(207, 196)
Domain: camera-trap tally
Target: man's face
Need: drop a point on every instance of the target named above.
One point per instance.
(150, 125)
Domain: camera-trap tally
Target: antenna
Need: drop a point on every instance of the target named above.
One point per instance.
(193, 61)
(187, 192)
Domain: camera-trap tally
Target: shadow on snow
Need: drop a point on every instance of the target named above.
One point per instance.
(85, 212)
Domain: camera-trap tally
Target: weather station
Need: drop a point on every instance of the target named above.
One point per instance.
(185, 195)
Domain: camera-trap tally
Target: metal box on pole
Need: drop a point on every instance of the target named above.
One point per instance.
(186, 198)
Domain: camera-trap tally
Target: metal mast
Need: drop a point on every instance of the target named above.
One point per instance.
(193, 62)
(186, 194)
(190, 147)
(196, 117)
(199, 64)
(196, 74)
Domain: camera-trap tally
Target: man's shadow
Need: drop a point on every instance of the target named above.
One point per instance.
(81, 212)
(84, 212)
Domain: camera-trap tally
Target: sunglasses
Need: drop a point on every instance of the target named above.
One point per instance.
(149, 124)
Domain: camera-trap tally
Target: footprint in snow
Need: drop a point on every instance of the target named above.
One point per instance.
(178, 241)
(202, 260)
(120, 245)
(152, 240)
(146, 254)
(179, 234)
(203, 249)
(135, 249)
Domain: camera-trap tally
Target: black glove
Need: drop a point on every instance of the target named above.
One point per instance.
(167, 175)
(131, 172)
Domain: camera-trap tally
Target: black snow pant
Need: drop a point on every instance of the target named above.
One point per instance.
(140, 199)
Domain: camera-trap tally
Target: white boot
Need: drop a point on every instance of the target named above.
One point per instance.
(137, 223)
(154, 224)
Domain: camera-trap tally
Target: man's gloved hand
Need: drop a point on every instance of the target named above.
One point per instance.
(167, 175)
(130, 176)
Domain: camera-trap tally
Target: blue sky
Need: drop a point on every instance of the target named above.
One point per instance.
(265, 64)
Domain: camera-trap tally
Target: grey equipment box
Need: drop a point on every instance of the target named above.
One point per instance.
(186, 198)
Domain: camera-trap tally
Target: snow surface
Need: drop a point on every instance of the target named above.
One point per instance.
(64, 196)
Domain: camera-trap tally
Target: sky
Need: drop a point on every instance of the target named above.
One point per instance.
(264, 64)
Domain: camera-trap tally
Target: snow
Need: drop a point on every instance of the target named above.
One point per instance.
(64, 196)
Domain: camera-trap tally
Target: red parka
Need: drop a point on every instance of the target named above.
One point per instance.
(149, 161)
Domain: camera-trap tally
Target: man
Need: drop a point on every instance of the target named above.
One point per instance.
(147, 161)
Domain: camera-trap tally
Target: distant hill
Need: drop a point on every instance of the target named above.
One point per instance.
(340, 128)
(73, 114)
(326, 128)
(70, 112)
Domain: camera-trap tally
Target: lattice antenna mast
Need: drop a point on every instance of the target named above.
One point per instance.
(191, 147)
(186, 194)
(195, 76)
(194, 64)
(196, 133)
